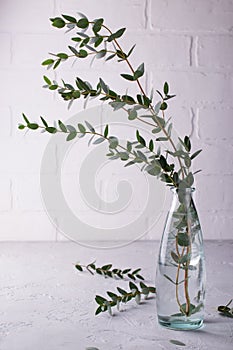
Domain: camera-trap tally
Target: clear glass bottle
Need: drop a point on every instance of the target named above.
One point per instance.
(180, 275)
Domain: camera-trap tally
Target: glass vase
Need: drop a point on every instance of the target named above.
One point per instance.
(181, 266)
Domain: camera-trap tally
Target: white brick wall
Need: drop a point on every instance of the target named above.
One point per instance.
(188, 43)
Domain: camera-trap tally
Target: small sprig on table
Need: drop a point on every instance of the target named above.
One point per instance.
(107, 271)
(123, 297)
(225, 310)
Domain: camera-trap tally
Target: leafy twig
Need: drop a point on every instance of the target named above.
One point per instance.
(107, 271)
(225, 310)
(123, 297)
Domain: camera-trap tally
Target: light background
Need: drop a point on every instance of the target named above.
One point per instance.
(188, 43)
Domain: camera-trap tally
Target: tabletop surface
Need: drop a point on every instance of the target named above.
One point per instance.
(46, 304)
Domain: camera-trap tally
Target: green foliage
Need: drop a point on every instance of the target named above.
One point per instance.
(177, 342)
(58, 22)
(226, 310)
(173, 166)
(108, 271)
(123, 296)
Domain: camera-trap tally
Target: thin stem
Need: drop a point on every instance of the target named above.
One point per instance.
(186, 283)
(177, 275)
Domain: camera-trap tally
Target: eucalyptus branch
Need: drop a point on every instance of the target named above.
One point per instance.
(123, 297)
(157, 167)
(141, 107)
(225, 310)
(108, 271)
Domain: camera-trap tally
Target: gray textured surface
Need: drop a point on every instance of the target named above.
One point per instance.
(47, 305)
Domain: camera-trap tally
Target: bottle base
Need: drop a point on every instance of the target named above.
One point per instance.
(180, 325)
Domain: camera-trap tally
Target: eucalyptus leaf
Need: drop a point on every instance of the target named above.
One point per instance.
(177, 342)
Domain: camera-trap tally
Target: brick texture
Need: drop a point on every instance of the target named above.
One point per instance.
(185, 42)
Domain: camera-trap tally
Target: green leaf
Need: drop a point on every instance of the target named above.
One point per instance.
(187, 162)
(98, 311)
(76, 39)
(83, 23)
(151, 145)
(51, 130)
(129, 146)
(113, 142)
(98, 41)
(157, 107)
(71, 136)
(116, 35)
(131, 50)
(81, 128)
(152, 289)
(128, 77)
(139, 72)
(76, 94)
(58, 22)
(81, 84)
(62, 126)
(53, 87)
(153, 169)
(106, 131)
(69, 18)
(156, 130)
(121, 291)
(62, 55)
(119, 33)
(187, 182)
(195, 154)
(177, 342)
(165, 88)
(33, 126)
(44, 121)
(99, 140)
(83, 53)
(101, 54)
(187, 143)
(106, 267)
(139, 99)
(162, 139)
(56, 65)
(133, 286)
(175, 257)
(97, 25)
(141, 156)
(90, 127)
(47, 62)
(169, 279)
(100, 300)
(146, 101)
(159, 121)
(191, 308)
(113, 296)
(110, 57)
(73, 50)
(78, 267)
(132, 114)
(183, 239)
(163, 106)
(25, 118)
(184, 258)
(130, 163)
(124, 155)
(21, 126)
(46, 79)
(104, 87)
